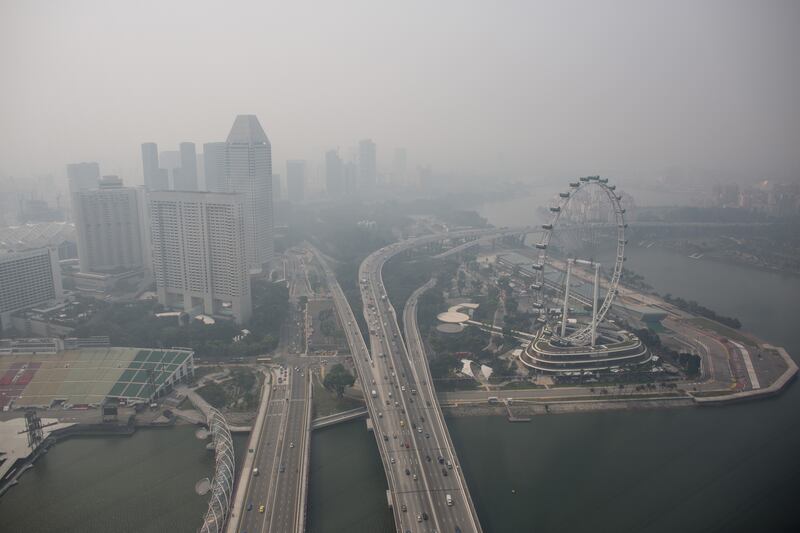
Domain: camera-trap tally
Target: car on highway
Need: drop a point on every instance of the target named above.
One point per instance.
(408, 472)
(291, 445)
(393, 460)
(424, 516)
(282, 469)
(415, 477)
(261, 508)
(403, 508)
(444, 472)
(419, 518)
(250, 506)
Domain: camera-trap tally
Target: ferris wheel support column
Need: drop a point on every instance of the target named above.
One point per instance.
(594, 302)
(566, 300)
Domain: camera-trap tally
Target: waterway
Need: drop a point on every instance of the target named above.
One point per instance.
(347, 490)
(723, 469)
(138, 484)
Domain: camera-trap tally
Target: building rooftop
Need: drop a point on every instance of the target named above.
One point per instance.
(247, 130)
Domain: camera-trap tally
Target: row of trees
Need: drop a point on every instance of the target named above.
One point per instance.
(135, 324)
(695, 308)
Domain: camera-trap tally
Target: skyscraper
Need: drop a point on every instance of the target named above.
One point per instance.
(185, 177)
(108, 227)
(214, 163)
(367, 164)
(82, 176)
(155, 178)
(248, 171)
(334, 174)
(400, 166)
(199, 252)
(296, 180)
(28, 278)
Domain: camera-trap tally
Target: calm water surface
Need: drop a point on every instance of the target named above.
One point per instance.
(142, 483)
(690, 470)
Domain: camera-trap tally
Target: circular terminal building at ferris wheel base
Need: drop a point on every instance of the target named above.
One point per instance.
(613, 349)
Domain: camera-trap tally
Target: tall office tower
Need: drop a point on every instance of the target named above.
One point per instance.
(170, 162)
(199, 252)
(350, 177)
(400, 166)
(27, 279)
(185, 177)
(108, 227)
(248, 171)
(367, 164)
(296, 180)
(82, 176)
(155, 178)
(214, 163)
(334, 174)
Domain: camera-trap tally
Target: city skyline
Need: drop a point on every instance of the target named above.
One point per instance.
(629, 91)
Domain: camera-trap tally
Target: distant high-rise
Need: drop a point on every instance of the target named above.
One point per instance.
(214, 164)
(155, 178)
(109, 229)
(199, 252)
(82, 176)
(296, 180)
(400, 165)
(277, 189)
(334, 174)
(350, 177)
(367, 164)
(185, 177)
(248, 171)
(28, 278)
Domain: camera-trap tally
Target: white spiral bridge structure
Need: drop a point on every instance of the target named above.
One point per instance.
(224, 470)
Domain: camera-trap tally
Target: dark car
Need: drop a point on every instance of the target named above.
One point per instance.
(444, 472)
(441, 460)
(408, 472)
(428, 458)
(424, 516)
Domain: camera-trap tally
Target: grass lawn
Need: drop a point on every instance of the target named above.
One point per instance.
(327, 403)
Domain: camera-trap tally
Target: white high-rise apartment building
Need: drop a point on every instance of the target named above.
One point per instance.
(248, 171)
(109, 228)
(27, 279)
(199, 252)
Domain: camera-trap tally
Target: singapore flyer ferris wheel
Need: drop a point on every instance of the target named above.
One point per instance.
(548, 292)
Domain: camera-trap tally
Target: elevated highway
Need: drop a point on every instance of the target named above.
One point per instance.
(432, 484)
(280, 455)
(427, 486)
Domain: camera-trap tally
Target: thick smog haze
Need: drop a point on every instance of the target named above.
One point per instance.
(508, 89)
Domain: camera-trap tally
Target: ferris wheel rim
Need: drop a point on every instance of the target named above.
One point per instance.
(581, 333)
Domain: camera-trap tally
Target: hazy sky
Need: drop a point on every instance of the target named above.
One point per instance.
(532, 88)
